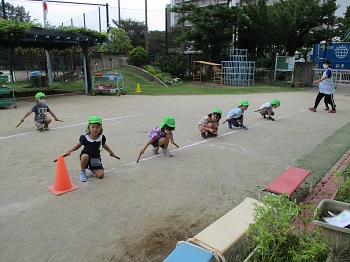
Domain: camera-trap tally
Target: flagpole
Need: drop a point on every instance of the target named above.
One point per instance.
(48, 57)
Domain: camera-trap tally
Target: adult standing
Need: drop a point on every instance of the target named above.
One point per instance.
(326, 88)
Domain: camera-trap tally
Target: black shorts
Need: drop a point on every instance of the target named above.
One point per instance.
(94, 163)
(155, 143)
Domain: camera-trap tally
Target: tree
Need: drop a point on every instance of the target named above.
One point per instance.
(254, 28)
(344, 25)
(211, 27)
(135, 30)
(17, 13)
(138, 56)
(119, 42)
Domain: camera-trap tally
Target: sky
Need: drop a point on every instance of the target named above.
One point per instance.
(59, 13)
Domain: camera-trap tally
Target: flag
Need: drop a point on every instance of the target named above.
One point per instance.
(45, 11)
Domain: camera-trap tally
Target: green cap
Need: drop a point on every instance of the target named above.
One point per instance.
(93, 120)
(169, 121)
(217, 111)
(244, 103)
(276, 102)
(40, 94)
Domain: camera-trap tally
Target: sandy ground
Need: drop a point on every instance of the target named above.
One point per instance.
(140, 210)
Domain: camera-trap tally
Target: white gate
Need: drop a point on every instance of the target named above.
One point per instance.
(340, 77)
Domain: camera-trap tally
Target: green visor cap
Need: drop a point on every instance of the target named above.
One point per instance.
(217, 111)
(169, 121)
(276, 102)
(94, 120)
(40, 94)
(244, 103)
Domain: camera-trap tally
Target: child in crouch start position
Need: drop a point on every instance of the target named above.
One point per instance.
(93, 141)
(235, 116)
(160, 137)
(209, 124)
(267, 109)
(40, 110)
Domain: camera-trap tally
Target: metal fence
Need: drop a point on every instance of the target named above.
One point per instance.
(340, 77)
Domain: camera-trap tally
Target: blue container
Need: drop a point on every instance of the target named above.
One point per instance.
(34, 73)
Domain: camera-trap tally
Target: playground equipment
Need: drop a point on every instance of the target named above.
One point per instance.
(238, 71)
(200, 67)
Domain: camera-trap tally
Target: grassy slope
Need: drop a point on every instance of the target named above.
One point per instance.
(151, 88)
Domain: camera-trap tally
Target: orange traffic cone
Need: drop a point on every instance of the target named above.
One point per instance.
(62, 181)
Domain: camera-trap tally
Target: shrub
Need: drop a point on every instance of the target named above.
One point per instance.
(160, 76)
(150, 69)
(277, 239)
(138, 56)
(176, 65)
(343, 193)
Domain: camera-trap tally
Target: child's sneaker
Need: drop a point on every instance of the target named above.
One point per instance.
(155, 150)
(46, 127)
(229, 125)
(167, 153)
(312, 109)
(332, 111)
(263, 115)
(82, 176)
(40, 129)
(244, 127)
(326, 109)
(204, 135)
(271, 118)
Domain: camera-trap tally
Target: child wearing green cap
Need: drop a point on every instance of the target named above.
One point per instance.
(160, 137)
(93, 141)
(266, 109)
(209, 124)
(235, 116)
(40, 110)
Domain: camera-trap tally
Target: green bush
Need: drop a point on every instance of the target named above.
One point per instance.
(160, 76)
(150, 69)
(176, 65)
(138, 56)
(277, 239)
(343, 193)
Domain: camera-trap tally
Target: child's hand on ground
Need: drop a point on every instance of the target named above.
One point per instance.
(56, 119)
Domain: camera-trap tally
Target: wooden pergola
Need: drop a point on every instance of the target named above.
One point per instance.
(198, 73)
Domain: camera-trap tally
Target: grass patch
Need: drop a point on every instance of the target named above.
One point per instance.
(149, 87)
(324, 156)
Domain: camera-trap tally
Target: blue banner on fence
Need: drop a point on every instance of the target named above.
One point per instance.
(337, 53)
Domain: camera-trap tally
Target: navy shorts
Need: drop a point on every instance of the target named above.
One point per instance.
(234, 121)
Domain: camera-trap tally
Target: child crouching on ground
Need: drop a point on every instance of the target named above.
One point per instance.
(40, 110)
(235, 116)
(209, 124)
(160, 137)
(267, 109)
(93, 142)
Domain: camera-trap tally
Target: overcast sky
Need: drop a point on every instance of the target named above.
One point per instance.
(63, 13)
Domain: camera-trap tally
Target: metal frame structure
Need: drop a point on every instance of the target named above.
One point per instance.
(238, 71)
(197, 73)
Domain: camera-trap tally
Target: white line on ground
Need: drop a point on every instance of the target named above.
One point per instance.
(60, 127)
(196, 144)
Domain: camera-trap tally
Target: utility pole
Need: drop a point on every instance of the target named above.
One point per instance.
(146, 28)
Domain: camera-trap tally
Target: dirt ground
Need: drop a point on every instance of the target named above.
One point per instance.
(140, 210)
